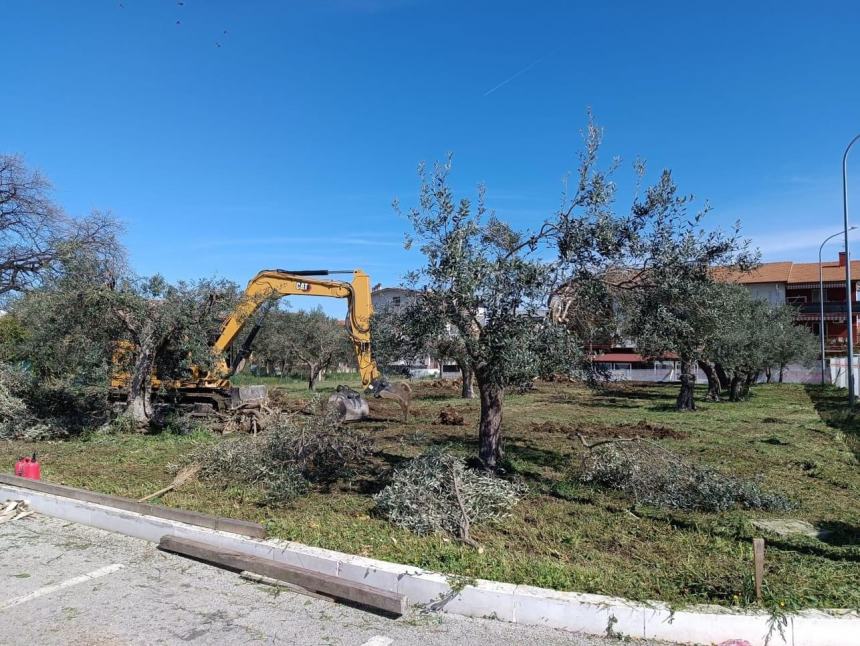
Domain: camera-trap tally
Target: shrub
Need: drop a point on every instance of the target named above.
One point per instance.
(656, 476)
(436, 492)
(17, 420)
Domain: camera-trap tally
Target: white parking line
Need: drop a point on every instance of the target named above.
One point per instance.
(378, 640)
(48, 589)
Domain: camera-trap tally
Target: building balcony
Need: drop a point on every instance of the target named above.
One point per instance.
(829, 308)
(835, 345)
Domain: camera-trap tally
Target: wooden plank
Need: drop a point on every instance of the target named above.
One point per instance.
(325, 584)
(243, 527)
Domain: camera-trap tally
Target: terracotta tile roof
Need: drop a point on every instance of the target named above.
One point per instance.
(792, 273)
(769, 272)
(807, 272)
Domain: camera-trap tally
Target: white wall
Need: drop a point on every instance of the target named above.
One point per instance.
(386, 298)
(774, 293)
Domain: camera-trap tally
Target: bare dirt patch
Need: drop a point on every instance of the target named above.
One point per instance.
(449, 416)
(639, 429)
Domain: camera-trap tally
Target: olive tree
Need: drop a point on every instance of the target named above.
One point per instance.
(62, 332)
(672, 299)
(755, 337)
(492, 283)
(789, 342)
(313, 339)
(402, 336)
(169, 328)
(76, 324)
(38, 239)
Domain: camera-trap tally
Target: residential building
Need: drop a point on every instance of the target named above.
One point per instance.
(797, 283)
(395, 298)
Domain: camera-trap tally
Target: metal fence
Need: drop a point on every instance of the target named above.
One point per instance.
(794, 374)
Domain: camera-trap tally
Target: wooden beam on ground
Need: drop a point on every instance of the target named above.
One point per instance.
(323, 584)
(243, 527)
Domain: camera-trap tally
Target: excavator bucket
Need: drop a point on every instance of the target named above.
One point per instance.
(248, 396)
(349, 404)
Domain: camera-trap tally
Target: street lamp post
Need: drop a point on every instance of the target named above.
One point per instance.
(821, 299)
(848, 289)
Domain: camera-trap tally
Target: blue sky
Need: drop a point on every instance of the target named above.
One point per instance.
(235, 136)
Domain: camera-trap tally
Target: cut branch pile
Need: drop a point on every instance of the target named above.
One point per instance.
(285, 459)
(17, 420)
(437, 493)
(656, 476)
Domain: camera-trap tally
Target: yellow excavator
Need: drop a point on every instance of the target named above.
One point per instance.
(214, 388)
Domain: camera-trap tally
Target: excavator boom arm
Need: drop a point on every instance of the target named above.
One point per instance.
(277, 283)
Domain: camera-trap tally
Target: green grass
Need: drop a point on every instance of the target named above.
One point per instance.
(798, 441)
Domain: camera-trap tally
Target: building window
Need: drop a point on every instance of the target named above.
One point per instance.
(395, 300)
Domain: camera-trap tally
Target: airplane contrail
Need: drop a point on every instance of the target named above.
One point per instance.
(511, 78)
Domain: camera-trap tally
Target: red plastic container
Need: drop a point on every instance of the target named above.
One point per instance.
(19, 466)
(32, 469)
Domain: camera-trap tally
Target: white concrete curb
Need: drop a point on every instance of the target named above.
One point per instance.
(587, 613)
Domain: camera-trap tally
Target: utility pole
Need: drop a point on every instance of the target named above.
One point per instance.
(848, 290)
(821, 301)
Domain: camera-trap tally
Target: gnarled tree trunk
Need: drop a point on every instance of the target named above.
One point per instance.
(140, 384)
(468, 375)
(490, 428)
(722, 375)
(736, 391)
(685, 399)
(313, 375)
(714, 389)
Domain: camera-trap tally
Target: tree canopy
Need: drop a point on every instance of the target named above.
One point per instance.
(37, 238)
(311, 339)
(493, 283)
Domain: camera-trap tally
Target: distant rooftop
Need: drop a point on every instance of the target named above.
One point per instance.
(791, 273)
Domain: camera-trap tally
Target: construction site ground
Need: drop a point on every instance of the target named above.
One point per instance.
(566, 535)
(65, 583)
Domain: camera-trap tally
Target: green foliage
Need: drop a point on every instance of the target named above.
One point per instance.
(321, 448)
(120, 424)
(492, 283)
(311, 340)
(13, 335)
(423, 495)
(17, 421)
(284, 486)
(173, 322)
(753, 336)
(653, 475)
(70, 333)
(180, 423)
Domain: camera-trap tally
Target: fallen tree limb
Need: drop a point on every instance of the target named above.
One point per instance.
(184, 475)
(611, 440)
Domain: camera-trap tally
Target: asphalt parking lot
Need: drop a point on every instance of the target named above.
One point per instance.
(64, 583)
